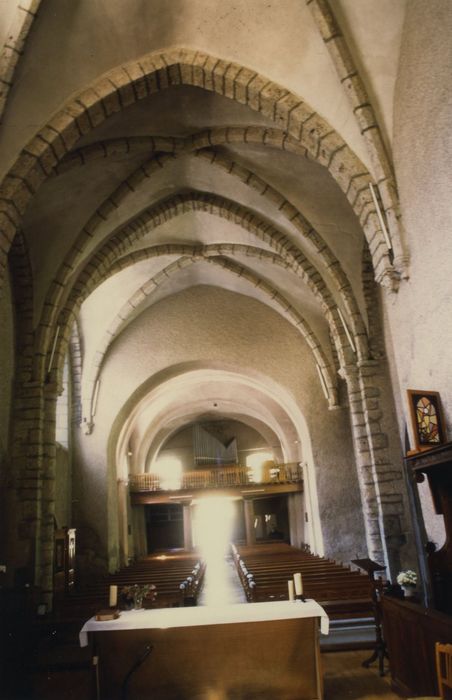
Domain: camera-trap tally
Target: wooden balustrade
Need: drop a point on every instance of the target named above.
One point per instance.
(218, 477)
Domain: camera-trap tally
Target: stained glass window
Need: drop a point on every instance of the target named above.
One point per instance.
(427, 419)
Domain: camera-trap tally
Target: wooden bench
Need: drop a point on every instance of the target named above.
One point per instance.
(264, 574)
(178, 580)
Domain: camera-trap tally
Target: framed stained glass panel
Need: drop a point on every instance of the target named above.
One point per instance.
(426, 418)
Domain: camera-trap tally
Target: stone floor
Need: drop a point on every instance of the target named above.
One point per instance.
(344, 679)
(221, 584)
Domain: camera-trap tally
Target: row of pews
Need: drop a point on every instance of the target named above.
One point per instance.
(178, 578)
(265, 569)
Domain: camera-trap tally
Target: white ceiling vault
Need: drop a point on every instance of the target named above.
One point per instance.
(195, 187)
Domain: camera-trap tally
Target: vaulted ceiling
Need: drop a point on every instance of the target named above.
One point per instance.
(232, 177)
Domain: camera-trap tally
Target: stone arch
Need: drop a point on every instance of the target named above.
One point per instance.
(291, 213)
(100, 265)
(354, 88)
(140, 79)
(123, 86)
(158, 385)
(146, 291)
(309, 233)
(338, 333)
(255, 135)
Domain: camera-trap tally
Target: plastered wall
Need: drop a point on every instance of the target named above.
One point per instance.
(419, 317)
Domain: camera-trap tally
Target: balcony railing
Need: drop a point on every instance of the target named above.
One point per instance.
(218, 477)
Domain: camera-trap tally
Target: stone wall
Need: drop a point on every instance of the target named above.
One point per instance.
(6, 365)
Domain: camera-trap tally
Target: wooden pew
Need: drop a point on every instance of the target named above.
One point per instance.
(178, 580)
(264, 574)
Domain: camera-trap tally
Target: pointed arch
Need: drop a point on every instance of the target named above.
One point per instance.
(144, 293)
(134, 81)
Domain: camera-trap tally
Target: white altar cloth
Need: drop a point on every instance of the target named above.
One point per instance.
(165, 618)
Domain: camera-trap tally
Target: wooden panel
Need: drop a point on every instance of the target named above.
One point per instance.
(265, 660)
(410, 632)
(437, 465)
(64, 560)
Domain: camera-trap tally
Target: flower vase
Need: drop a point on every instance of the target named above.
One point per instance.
(409, 591)
(138, 600)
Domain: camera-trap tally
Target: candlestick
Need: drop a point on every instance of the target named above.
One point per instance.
(291, 590)
(298, 584)
(113, 596)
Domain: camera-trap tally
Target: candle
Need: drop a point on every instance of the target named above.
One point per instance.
(113, 596)
(291, 590)
(298, 584)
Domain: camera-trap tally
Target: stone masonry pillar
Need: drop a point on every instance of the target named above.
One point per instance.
(383, 493)
(365, 467)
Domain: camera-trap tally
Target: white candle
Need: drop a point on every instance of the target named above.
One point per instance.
(298, 584)
(113, 596)
(291, 590)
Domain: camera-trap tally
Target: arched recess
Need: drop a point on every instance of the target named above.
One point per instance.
(157, 398)
(127, 84)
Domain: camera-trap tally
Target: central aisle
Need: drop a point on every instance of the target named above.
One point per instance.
(221, 583)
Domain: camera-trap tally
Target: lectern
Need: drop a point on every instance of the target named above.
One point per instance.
(371, 568)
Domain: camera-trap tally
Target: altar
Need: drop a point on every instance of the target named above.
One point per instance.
(255, 650)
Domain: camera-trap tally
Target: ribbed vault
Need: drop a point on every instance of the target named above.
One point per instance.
(179, 177)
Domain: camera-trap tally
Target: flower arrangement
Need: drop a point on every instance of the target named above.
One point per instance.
(133, 596)
(407, 578)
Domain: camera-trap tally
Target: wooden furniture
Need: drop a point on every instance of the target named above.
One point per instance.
(264, 570)
(64, 560)
(436, 465)
(264, 650)
(443, 655)
(411, 632)
(178, 578)
(444, 669)
(379, 652)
